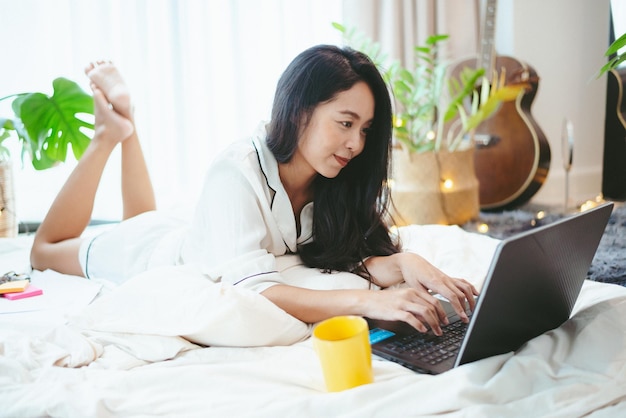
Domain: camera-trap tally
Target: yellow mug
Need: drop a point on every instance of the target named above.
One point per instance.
(343, 347)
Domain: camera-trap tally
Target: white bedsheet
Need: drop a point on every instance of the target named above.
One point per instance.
(138, 351)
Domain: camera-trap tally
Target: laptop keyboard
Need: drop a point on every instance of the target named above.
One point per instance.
(430, 348)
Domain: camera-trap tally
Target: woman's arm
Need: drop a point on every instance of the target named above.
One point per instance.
(414, 306)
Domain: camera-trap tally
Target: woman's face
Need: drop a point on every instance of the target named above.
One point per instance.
(336, 132)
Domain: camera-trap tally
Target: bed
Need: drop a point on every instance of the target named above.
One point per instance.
(171, 343)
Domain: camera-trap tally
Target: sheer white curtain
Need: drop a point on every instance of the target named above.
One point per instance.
(202, 73)
(400, 25)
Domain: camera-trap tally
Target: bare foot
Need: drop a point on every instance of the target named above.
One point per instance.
(105, 76)
(110, 126)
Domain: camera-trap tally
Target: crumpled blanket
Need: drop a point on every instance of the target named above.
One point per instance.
(188, 347)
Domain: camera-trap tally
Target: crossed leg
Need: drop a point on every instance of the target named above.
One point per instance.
(58, 239)
(137, 191)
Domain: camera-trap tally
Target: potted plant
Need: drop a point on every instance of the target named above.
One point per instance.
(44, 126)
(435, 116)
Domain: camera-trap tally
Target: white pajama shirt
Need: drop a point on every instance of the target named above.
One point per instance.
(243, 221)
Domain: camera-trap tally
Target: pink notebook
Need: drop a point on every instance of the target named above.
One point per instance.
(29, 292)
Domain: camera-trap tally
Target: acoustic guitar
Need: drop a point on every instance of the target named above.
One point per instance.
(512, 155)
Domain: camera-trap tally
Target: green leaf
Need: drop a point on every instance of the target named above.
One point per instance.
(618, 44)
(15, 125)
(454, 86)
(5, 133)
(339, 27)
(485, 90)
(401, 87)
(406, 76)
(606, 67)
(434, 39)
(6, 124)
(52, 123)
(427, 59)
(485, 111)
(469, 79)
(475, 102)
(617, 60)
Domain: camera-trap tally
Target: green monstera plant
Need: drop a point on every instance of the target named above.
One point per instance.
(46, 125)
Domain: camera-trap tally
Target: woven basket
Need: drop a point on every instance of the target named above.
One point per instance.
(419, 194)
(8, 219)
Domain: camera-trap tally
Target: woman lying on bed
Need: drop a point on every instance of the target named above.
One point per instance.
(312, 182)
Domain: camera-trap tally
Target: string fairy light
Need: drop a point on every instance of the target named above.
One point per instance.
(447, 184)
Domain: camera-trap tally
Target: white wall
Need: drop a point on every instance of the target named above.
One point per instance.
(564, 40)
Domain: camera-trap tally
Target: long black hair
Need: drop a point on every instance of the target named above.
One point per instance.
(349, 209)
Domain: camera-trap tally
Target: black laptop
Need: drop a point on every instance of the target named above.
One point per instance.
(531, 287)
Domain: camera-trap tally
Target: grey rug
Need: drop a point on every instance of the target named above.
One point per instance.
(609, 263)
